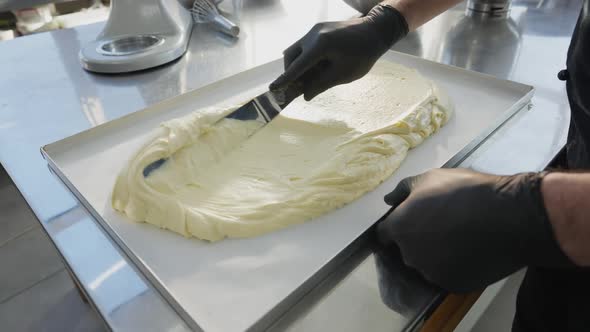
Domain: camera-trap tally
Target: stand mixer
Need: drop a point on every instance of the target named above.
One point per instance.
(139, 34)
(488, 8)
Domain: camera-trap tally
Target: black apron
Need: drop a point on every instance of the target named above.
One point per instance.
(577, 76)
(559, 299)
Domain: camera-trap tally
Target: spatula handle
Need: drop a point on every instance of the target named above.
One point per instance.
(226, 26)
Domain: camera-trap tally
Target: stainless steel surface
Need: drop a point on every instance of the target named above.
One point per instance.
(129, 45)
(362, 6)
(205, 11)
(47, 96)
(480, 36)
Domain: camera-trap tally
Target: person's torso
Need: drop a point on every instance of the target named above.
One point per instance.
(578, 87)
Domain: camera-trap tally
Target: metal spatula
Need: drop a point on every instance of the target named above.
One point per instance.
(262, 108)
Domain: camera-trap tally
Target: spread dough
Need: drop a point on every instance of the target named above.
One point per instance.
(218, 181)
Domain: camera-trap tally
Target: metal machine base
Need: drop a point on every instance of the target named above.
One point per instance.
(139, 35)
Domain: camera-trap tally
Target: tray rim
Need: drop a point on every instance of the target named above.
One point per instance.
(283, 306)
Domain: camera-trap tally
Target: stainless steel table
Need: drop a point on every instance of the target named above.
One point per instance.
(45, 96)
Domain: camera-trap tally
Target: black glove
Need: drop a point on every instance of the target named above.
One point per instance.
(334, 53)
(464, 230)
(402, 289)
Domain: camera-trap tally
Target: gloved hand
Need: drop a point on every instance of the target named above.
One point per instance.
(464, 230)
(334, 53)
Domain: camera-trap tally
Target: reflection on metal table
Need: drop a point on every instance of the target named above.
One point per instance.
(47, 96)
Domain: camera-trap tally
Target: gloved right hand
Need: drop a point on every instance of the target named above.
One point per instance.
(334, 53)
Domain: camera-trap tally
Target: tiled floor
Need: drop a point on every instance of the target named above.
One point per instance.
(36, 292)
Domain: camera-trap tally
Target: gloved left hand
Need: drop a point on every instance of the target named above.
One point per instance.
(464, 230)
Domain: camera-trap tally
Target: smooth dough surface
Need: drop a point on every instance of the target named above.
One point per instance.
(220, 180)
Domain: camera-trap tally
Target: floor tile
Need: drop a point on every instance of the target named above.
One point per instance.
(4, 179)
(15, 216)
(25, 261)
(53, 305)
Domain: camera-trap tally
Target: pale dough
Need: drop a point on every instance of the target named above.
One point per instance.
(313, 158)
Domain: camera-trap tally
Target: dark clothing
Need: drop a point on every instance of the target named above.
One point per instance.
(553, 300)
(578, 88)
(559, 299)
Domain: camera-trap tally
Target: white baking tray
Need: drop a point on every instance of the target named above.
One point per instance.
(241, 284)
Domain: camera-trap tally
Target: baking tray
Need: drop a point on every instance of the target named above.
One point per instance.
(246, 284)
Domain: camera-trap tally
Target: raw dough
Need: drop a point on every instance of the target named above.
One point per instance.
(313, 158)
